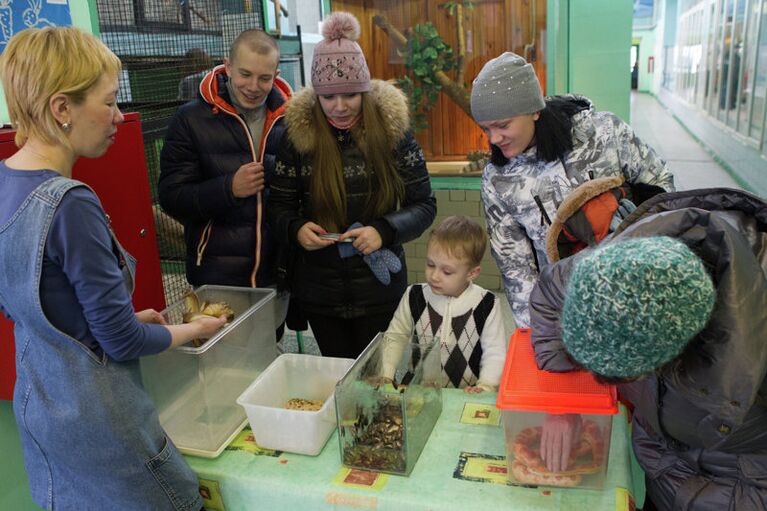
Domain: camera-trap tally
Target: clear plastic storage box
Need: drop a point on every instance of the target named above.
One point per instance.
(528, 396)
(195, 389)
(384, 426)
(294, 376)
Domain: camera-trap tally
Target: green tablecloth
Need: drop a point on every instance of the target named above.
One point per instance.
(240, 479)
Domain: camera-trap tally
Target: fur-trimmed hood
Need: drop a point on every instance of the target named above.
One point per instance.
(390, 100)
(574, 202)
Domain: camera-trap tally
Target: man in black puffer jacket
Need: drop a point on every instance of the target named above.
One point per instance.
(217, 163)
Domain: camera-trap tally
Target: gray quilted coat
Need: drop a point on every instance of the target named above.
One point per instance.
(603, 145)
(700, 422)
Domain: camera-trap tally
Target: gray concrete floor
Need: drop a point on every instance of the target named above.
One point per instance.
(692, 165)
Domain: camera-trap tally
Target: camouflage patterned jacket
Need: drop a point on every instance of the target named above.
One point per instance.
(603, 145)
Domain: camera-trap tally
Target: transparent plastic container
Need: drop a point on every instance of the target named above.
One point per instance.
(384, 426)
(528, 396)
(294, 376)
(195, 389)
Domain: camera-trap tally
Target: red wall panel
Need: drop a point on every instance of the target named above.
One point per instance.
(121, 182)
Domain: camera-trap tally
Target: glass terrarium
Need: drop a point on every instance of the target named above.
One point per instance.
(387, 404)
(529, 398)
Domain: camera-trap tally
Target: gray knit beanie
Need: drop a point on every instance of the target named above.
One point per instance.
(632, 306)
(505, 87)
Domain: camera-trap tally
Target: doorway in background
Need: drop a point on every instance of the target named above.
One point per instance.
(634, 66)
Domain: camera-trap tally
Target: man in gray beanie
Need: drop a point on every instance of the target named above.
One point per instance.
(542, 149)
(672, 308)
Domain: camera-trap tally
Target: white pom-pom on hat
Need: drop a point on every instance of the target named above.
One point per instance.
(341, 25)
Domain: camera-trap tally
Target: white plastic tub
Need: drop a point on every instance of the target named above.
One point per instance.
(294, 376)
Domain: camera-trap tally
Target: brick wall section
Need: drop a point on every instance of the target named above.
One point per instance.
(452, 201)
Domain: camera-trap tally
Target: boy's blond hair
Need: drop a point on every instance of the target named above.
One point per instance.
(40, 62)
(461, 237)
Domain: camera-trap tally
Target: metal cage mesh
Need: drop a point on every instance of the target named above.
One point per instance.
(165, 47)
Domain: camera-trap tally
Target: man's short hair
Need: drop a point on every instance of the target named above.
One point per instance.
(460, 237)
(255, 40)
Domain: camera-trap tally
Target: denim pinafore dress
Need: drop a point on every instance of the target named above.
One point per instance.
(90, 435)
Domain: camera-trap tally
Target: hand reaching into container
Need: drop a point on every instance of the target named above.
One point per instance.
(151, 316)
(560, 432)
(203, 327)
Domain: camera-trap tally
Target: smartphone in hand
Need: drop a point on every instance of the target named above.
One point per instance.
(334, 236)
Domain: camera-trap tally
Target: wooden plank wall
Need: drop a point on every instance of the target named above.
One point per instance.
(495, 26)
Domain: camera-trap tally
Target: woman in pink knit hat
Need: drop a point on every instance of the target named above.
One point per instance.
(350, 187)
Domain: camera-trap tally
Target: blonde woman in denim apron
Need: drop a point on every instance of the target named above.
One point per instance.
(91, 437)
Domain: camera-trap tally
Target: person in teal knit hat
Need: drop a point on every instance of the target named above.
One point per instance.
(672, 308)
(633, 306)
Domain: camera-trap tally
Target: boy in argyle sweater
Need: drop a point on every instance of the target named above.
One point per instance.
(449, 306)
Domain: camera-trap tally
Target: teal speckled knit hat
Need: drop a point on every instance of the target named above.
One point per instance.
(632, 306)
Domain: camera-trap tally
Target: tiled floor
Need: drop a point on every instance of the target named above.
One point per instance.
(692, 166)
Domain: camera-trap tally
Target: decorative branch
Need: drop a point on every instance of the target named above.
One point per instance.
(461, 42)
(428, 57)
(455, 8)
(395, 35)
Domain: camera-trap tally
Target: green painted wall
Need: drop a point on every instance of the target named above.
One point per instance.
(455, 196)
(83, 13)
(589, 43)
(648, 48)
(14, 487)
(557, 52)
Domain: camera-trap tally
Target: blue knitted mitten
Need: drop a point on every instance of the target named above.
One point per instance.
(347, 249)
(383, 262)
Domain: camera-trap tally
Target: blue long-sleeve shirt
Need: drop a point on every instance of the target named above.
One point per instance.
(82, 290)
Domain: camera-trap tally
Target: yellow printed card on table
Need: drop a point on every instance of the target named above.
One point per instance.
(483, 468)
(245, 441)
(211, 495)
(355, 478)
(482, 414)
(624, 501)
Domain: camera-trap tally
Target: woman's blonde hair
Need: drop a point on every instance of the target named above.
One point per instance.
(38, 63)
(385, 187)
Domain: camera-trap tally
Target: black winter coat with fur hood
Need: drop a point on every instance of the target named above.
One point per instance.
(321, 280)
